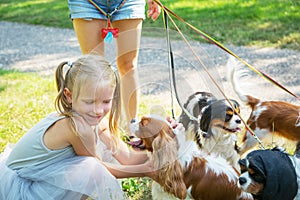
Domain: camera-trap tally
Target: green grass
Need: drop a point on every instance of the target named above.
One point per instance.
(25, 99)
(263, 23)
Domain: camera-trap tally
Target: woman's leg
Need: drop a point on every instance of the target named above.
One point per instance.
(128, 43)
(89, 36)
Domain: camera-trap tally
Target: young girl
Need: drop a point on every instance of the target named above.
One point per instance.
(90, 17)
(68, 154)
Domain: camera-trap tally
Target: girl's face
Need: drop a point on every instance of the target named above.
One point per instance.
(93, 102)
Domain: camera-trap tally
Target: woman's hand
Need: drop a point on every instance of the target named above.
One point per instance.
(153, 10)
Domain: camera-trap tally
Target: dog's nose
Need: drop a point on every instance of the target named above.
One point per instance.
(238, 121)
(242, 180)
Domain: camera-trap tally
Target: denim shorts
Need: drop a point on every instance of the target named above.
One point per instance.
(131, 9)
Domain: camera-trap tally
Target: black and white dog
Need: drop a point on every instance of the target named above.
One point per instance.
(271, 175)
(214, 125)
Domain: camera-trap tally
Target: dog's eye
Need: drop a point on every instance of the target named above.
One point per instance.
(258, 177)
(144, 122)
(228, 116)
(251, 171)
(243, 168)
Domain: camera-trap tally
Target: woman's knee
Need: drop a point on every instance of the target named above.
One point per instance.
(127, 65)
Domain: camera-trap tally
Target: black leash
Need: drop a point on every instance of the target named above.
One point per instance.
(173, 87)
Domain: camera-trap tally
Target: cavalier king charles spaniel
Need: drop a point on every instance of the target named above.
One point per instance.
(216, 127)
(271, 175)
(266, 117)
(184, 170)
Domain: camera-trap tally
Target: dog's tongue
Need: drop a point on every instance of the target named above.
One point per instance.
(236, 129)
(136, 143)
(233, 130)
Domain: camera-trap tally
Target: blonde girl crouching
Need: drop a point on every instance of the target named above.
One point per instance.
(67, 154)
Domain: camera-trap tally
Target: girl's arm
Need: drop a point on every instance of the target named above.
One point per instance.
(126, 171)
(127, 156)
(83, 139)
(124, 154)
(62, 134)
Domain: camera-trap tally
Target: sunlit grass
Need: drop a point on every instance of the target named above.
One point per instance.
(264, 23)
(25, 99)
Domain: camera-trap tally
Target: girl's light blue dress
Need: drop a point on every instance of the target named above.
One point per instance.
(31, 171)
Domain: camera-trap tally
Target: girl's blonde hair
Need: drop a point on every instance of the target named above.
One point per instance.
(88, 68)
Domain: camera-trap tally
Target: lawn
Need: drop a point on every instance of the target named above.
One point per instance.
(25, 99)
(261, 23)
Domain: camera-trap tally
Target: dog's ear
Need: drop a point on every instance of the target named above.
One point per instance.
(205, 118)
(243, 162)
(243, 165)
(235, 105)
(164, 149)
(174, 181)
(165, 159)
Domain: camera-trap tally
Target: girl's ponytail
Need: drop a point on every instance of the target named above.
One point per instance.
(61, 103)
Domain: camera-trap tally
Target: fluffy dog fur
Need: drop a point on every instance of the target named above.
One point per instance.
(266, 117)
(216, 126)
(271, 175)
(183, 169)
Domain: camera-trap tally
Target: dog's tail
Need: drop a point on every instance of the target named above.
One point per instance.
(232, 64)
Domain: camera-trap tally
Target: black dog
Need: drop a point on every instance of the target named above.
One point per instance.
(270, 175)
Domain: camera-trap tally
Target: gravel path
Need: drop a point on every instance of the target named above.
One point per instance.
(40, 49)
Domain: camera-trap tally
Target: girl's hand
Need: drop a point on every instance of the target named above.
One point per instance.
(175, 125)
(150, 171)
(153, 10)
(86, 138)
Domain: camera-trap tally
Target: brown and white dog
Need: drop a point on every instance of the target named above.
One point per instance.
(266, 117)
(183, 169)
(271, 175)
(216, 126)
